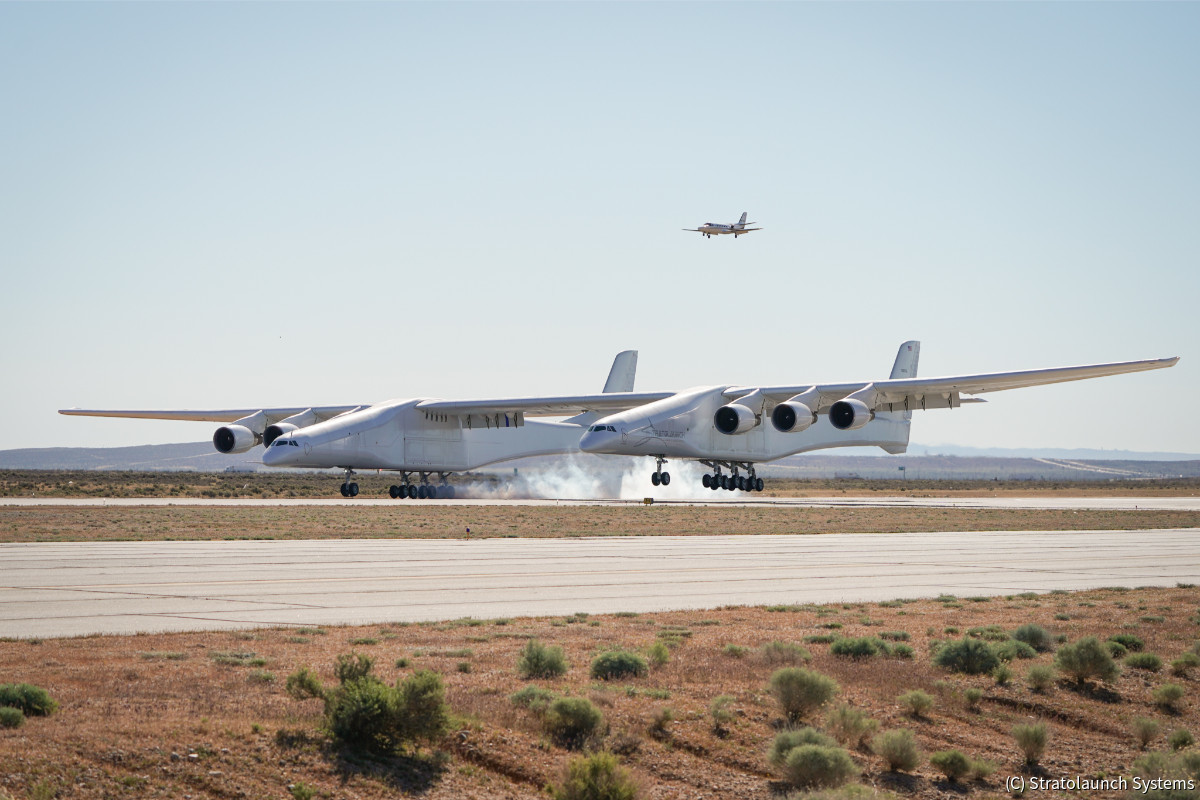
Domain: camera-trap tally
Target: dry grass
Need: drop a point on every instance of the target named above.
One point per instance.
(159, 716)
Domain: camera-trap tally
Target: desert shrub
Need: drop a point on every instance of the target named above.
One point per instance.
(898, 748)
(821, 638)
(595, 777)
(1086, 659)
(1128, 641)
(539, 661)
(1185, 664)
(972, 695)
(916, 702)
(1181, 739)
(618, 664)
(352, 667)
(1040, 677)
(658, 653)
(812, 766)
(901, 651)
(660, 720)
(11, 717)
(720, 712)
(1002, 674)
(801, 691)
(1014, 648)
(981, 769)
(849, 726)
(860, 647)
(1116, 649)
(1031, 739)
(991, 633)
(34, 701)
(1144, 729)
(784, 653)
(1035, 636)
(734, 651)
(895, 636)
(951, 763)
(787, 741)
(571, 721)
(304, 684)
(970, 656)
(1146, 661)
(1168, 695)
(534, 698)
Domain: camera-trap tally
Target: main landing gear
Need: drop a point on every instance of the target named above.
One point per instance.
(424, 490)
(734, 481)
(659, 477)
(349, 487)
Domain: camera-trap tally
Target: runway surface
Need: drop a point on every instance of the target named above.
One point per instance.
(66, 589)
(719, 499)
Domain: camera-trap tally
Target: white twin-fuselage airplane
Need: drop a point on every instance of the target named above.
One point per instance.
(729, 429)
(711, 229)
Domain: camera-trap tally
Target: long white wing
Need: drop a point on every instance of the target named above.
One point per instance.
(546, 406)
(940, 392)
(220, 415)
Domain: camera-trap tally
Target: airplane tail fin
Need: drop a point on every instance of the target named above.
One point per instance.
(742, 221)
(624, 369)
(905, 366)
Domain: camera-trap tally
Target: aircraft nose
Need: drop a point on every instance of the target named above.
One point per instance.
(591, 441)
(280, 453)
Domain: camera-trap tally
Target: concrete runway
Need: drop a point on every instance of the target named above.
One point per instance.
(717, 499)
(66, 589)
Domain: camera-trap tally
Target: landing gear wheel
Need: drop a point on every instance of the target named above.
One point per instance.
(654, 478)
(741, 483)
(725, 482)
(666, 478)
(447, 491)
(715, 483)
(394, 491)
(412, 492)
(422, 492)
(758, 484)
(353, 489)
(706, 480)
(431, 493)
(345, 489)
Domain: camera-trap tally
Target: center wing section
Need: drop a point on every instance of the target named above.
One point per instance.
(610, 402)
(913, 393)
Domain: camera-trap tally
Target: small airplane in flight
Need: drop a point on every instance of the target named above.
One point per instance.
(717, 228)
(729, 429)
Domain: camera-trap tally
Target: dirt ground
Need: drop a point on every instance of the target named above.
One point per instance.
(205, 715)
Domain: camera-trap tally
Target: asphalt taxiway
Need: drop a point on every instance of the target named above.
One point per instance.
(69, 589)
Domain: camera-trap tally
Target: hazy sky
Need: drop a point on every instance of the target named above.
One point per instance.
(240, 205)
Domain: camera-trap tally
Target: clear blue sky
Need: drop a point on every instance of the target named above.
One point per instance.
(221, 204)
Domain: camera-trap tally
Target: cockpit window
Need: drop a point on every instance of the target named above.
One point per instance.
(602, 428)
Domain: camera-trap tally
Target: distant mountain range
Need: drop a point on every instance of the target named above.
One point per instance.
(922, 461)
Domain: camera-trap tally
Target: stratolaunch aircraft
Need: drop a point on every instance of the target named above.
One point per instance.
(722, 427)
(710, 229)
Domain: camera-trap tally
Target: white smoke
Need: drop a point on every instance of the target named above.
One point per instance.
(593, 478)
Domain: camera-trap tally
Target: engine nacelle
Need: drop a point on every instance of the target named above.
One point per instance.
(734, 419)
(792, 417)
(235, 439)
(850, 414)
(273, 432)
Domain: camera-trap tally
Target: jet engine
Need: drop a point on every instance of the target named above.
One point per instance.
(850, 414)
(235, 439)
(792, 417)
(734, 418)
(292, 423)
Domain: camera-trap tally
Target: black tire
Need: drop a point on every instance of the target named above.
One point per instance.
(758, 484)
(422, 492)
(666, 479)
(412, 492)
(393, 491)
(724, 482)
(654, 478)
(345, 490)
(431, 493)
(706, 480)
(354, 490)
(449, 491)
(714, 484)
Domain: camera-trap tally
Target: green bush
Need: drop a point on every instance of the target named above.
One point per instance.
(595, 777)
(571, 721)
(659, 654)
(951, 763)
(352, 667)
(719, 710)
(1086, 659)
(539, 661)
(1014, 648)
(1181, 739)
(849, 726)
(1002, 674)
(618, 664)
(898, 748)
(534, 698)
(1185, 664)
(33, 701)
(895, 636)
(1116, 649)
(734, 651)
(1031, 739)
(970, 656)
(1040, 677)
(981, 769)
(861, 647)
(1128, 641)
(801, 691)
(1168, 695)
(1035, 636)
(1146, 661)
(787, 741)
(11, 717)
(1144, 729)
(972, 695)
(304, 684)
(916, 702)
(784, 653)
(812, 766)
